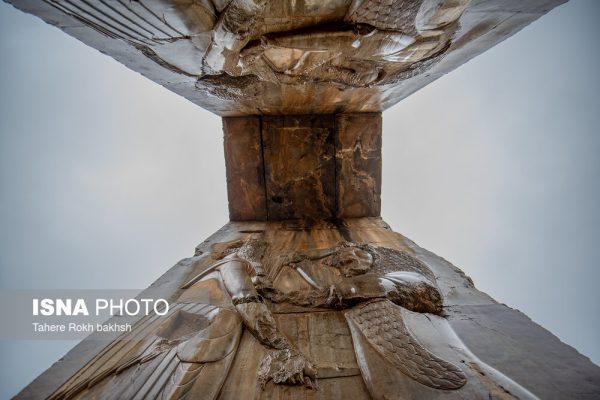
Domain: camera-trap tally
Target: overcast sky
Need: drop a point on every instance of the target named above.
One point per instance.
(108, 179)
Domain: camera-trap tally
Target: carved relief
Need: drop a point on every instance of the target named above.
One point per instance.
(255, 57)
(371, 41)
(188, 352)
(191, 352)
(350, 274)
(352, 43)
(378, 288)
(316, 306)
(382, 324)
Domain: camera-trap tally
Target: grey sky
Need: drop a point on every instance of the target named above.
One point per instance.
(107, 179)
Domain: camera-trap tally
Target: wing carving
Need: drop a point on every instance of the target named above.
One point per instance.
(393, 15)
(382, 324)
(172, 351)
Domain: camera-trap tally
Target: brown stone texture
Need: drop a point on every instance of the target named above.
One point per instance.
(245, 173)
(303, 166)
(299, 166)
(358, 165)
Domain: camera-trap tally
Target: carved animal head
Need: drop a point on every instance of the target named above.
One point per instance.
(351, 261)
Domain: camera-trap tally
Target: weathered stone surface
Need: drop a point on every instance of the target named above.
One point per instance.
(358, 165)
(303, 166)
(243, 57)
(299, 166)
(245, 169)
(310, 297)
(496, 337)
(521, 348)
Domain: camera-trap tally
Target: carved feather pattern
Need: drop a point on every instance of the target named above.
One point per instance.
(392, 15)
(391, 260)
(144, 355)
(381, 322)
(132, 21)
(182, 380)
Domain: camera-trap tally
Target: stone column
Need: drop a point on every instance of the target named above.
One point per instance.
(316, 166)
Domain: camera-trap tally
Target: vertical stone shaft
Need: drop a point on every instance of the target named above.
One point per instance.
(358, 165)
(315, 166)
(245, 168)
